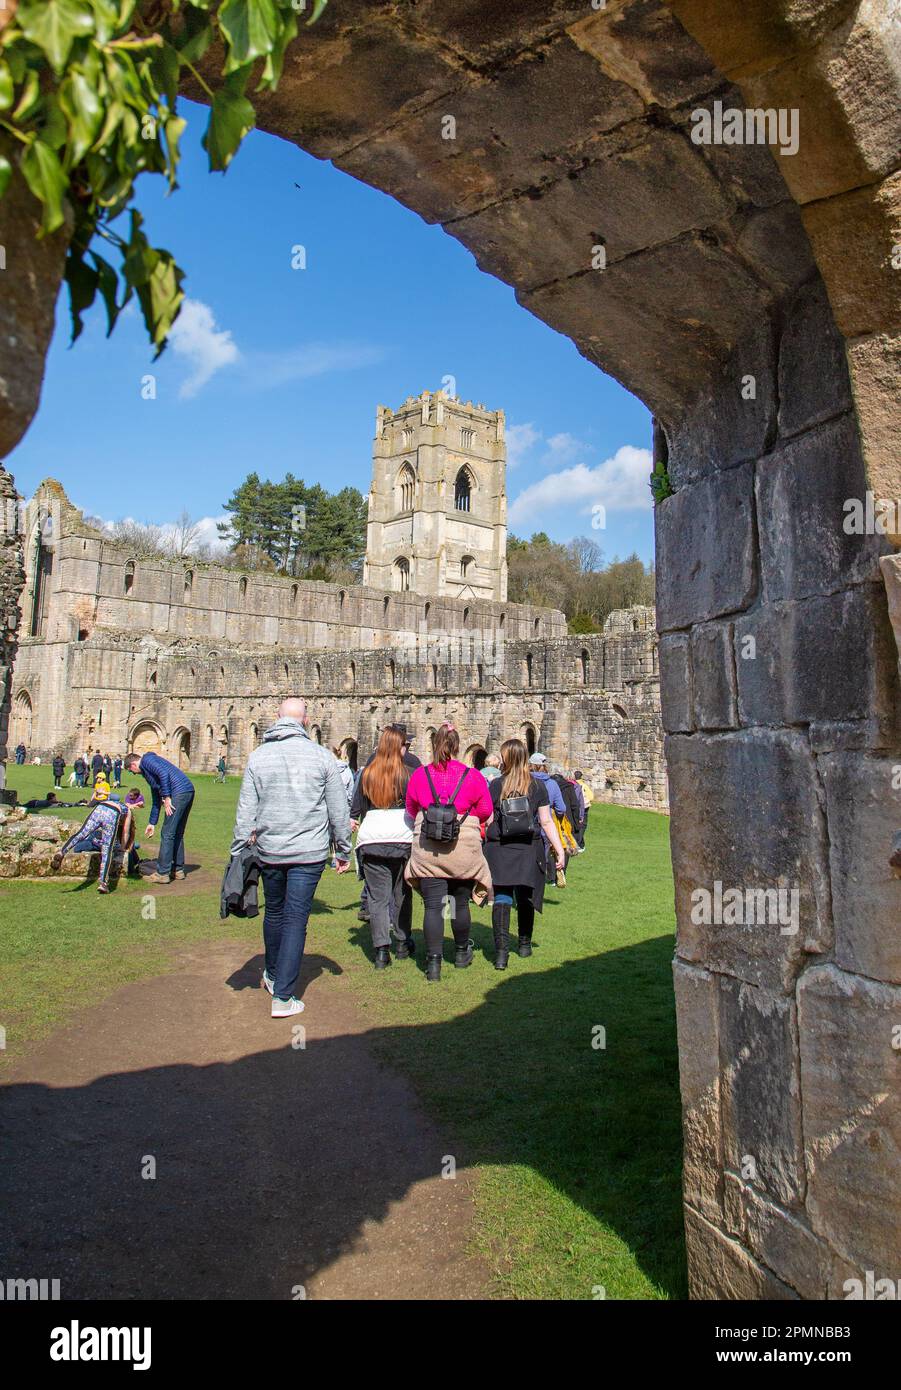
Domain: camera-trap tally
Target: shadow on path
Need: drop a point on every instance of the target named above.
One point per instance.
(278, 1165)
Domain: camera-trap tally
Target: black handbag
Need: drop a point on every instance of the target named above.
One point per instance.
(515, 816)
(439, 821)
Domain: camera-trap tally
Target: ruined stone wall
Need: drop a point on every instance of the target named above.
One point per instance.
(97, 584)
(589, 702)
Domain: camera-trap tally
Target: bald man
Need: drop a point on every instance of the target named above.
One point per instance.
(292, 805)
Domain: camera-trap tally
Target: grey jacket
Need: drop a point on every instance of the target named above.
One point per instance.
(292, 795)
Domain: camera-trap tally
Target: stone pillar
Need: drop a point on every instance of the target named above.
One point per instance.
(780, 700)
(12, 578)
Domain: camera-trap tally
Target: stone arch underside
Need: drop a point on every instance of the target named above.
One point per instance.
(750, 302)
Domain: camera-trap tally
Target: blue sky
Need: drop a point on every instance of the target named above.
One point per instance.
(277, 369)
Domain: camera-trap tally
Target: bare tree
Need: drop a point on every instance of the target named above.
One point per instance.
(182, 537)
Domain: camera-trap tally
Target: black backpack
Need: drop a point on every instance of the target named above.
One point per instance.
(439, 821)
(515, 817)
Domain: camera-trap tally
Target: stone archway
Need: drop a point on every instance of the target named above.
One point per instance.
(181, 748)
(752, 304)
(348, 749)
(145, 737)
(475, 755)
(22, 722)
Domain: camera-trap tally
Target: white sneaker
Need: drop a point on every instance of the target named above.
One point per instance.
(284, 1008)
(267, 981)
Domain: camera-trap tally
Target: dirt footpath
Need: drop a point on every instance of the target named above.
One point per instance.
(279, 1170)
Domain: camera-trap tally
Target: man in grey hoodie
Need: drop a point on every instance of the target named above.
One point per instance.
(292, 804)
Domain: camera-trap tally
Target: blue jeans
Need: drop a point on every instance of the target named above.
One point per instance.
(172, 835)
(289, 893)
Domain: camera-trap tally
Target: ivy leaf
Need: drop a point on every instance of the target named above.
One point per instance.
(272, 68)
(231, 117)
(173, 126)
(54, 25)
(6, 87)
(106, 19)
(82, 282)
(6, 172)
(81, 104)
(251, 29)
(31, 95)
(108, 283)
(164, 67)
(160, 296)
(44, 176)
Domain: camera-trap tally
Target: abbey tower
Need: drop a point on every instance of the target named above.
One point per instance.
(438, 502)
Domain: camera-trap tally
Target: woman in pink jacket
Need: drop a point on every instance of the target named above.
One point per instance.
(449, 871)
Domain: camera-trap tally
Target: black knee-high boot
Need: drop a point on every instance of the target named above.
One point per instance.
(500, 922)
(525, 913)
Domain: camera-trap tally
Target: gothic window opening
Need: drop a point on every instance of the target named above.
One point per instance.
(402, 574)
(466, 565)
(463, 492)
(129, 576)
(467, 438)
(406, 487)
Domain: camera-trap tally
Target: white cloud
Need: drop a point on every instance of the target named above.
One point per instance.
(619, 483)
(266, 369)
(206, 349)
(520, 439)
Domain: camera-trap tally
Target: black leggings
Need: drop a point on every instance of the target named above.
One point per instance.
(440, 896)
(525, 908)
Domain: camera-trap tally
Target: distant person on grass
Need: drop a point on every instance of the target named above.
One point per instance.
(220, 768)
(172, 792)
(59, 769)
(21, 753)
(292, 804)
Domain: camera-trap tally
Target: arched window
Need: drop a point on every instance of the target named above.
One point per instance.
(465, 617)
(242, 589)
(386, 603)
(406, 489)
(402, 574)
(391, 674)
(585, 661)
(351, 675)
(129, 576)
(426, 611)
(467, 437)
(465, 564)
(463, 491)
(153, 677)
(527, 664)
(318, 674)
(189, 584)
(293, 595)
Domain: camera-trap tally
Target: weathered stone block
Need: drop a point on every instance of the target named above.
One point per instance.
(713, 676)
(875, 364)
(697, 1015)
(662, 321)
(746, 815)
(624, 200)
(846, 233)
(823, 659)
(778, 1238)
(852, 1114)
(775, 240)
(863, 808)
(731, 420)
(807, 540)
(761, 1106)
(813, 386)
(46, 829)
(891, 574)
(720, 1268)
(700, 577)
(675, 683)
(647, 47)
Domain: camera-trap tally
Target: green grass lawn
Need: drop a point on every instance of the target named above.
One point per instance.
(577, 1148)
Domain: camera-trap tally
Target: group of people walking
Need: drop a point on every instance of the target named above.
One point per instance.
(455, 834)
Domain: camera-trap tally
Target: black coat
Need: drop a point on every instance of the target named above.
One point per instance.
(519, 861)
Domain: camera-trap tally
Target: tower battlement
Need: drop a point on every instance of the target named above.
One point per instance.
(438, 500)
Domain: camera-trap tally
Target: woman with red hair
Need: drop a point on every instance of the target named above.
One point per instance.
(383, 844)
(450, 804)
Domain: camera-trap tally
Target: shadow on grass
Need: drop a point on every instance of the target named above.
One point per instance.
(268, 1167)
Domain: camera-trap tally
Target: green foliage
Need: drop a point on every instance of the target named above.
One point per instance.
(575, 578)
(88, 93)
(300, 530)
(661, 487)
